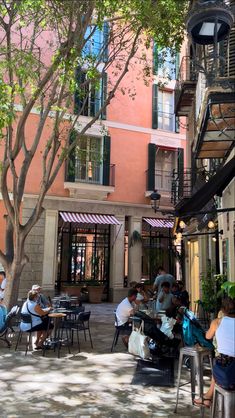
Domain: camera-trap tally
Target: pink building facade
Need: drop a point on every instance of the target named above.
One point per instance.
(124, 157)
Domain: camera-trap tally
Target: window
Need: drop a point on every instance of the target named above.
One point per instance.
(88, 99)
(165, 62)
(88, 160)
(97, 42)
(166, 117)
(165, 163)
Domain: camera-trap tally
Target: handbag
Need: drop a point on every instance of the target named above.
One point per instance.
(138, 343)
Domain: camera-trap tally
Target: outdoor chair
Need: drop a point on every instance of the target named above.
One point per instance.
(82, 323)
(118, 331)
(26, 319)
(8, 324)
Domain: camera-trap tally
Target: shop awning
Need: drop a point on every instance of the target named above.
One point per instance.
(88, 218)
(159, 223)
(214, 186)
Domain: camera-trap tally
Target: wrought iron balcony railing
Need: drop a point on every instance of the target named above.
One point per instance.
(186, 182)
(162, 180)
(92, 172)
(185, 85)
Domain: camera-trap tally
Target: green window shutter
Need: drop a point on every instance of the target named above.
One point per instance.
(151, 167)
(177, 124)
(105, 41)
(155, 106)
(80, 77)
(155, 58)
(71, 161)
(177, 64)
(106, 160)
(180, 169)
(104, 85)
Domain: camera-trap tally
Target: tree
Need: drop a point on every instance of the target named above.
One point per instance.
(31, 79)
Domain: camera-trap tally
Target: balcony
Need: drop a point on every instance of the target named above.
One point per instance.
(185, 87)
(162, 182)
(189, 181)
(92, 180)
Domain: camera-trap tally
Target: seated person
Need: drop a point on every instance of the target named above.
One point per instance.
(123, 312)
(43, 301)
(3, 315)
(164, 299)
(142, 297)
(183, 294)
(39, 319)
(3, 283)
(223, 329)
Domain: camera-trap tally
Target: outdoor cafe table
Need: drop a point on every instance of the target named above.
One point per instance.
(56, 337)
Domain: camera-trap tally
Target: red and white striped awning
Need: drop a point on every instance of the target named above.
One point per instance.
(159, 223)
(88, 218)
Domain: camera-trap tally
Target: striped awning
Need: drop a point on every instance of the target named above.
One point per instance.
(88, 218)
(159, 223)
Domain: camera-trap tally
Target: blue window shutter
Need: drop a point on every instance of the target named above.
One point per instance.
(96, 42)
(151, 167)
(105, 41)
(106, 160)
(104, 85)
(155, 106)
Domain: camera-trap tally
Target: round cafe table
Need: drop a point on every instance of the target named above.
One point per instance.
(56, 337)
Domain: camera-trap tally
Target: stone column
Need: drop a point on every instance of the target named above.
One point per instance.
(50, 250)
(117, 291)
(135, 251)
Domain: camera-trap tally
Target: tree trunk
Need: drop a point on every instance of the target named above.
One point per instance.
(13, 274)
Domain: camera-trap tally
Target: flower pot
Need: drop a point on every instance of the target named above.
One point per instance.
(95, 293)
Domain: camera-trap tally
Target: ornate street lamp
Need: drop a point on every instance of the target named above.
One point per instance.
(155, 200)
(209, 22)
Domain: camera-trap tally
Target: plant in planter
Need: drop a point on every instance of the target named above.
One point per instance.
(95, 290)
(135, 238)
(211, 283)
(228, 289)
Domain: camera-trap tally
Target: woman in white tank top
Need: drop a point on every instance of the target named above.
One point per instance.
(224, 369)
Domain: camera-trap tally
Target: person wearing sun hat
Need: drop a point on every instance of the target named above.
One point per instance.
(42, 300)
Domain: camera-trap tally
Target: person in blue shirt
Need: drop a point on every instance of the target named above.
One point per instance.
(3, 315)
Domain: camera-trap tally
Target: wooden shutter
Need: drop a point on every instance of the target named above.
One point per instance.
(104, 84)
(155, 58)
(177, 63)
(71, 161)
(78, 95)
(180, 170)
(106, 160)
(155, 106)
(151, 167)
(105, 41)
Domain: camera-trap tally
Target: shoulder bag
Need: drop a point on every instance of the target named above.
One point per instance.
(138, 343)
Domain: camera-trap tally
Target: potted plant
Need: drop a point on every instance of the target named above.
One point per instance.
(95, 290)
(211, 296)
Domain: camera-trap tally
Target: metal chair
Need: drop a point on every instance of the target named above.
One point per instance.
(8, 324)
(196, 355)
(82, 324)
(118, 331)
(227, 404)
(26, 319)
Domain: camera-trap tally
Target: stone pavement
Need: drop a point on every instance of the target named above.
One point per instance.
(93, 383)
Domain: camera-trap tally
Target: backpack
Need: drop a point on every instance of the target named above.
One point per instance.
(193, 332)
